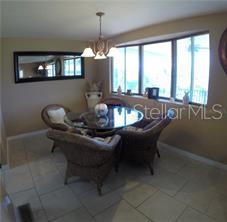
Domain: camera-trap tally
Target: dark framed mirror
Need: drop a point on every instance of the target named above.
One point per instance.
(45, 66)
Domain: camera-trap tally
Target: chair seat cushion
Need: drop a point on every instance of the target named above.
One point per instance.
(133, 129)
(105, 140)
(83, 132)
(57, 115)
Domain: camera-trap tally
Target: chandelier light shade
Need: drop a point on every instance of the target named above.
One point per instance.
(88, 52)
(40, 67)
(101, 48)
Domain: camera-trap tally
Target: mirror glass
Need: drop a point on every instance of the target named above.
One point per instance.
(39, 66)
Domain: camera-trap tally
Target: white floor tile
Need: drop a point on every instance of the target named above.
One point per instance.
(42, 167)
(95, 203)
(121, 212)
(16, 153)
(59, 202)
(127, 176)
(40, 216)
(37, 147)
(166, 181)
(162, 208)
(190, 171)
(61, 168)
(221, 183)
(79, 186)
(80, 215)
(218, 208)
(28, 196)
(191, 215)
(197, 193)
(172, 162)
(59, 161)
(18, 179)
(58, 156)
(209, 173)
(49, 182)
(140, 193)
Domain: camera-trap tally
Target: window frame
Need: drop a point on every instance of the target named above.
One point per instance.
(74, 64)
(173, 42)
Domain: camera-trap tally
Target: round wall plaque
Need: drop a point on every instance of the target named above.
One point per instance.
(58, 67)
(223, 50)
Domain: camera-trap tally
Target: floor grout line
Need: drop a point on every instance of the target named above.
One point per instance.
(183, 211)
(157, 190)
(135, 208)
(100, 212)
(77, 197)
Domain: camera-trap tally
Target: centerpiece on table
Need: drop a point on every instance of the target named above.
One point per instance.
(101, 110)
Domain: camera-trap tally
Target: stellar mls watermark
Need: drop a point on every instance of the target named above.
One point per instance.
(215, 112)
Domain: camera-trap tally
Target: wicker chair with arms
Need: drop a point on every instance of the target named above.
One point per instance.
(86, 157)
(56, 125)
(148, 123)
(141, 145)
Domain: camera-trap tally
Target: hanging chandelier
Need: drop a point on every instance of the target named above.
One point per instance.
(101, 48)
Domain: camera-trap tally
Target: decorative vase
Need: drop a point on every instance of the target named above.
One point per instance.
(186, 98)
(93, 98)
(101, 109)
(119, 90)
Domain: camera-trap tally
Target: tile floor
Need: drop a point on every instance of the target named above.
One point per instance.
(181, 190)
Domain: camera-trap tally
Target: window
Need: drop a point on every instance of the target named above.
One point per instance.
(175, 66)
(192, 73)
(50, 69)
(72, 66)
(21, 74)
(157, 67)
(126, 69)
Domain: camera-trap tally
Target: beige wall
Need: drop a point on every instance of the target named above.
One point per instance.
(22, 103)
(2, 125)
(3, 149)
(203, 137)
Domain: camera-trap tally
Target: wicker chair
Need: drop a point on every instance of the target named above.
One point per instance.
(57, 126)
(141, 145)
(86, 157)
(115, 101)
(148, 123)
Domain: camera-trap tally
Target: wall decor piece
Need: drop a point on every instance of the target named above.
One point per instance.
(45, 66)
(223, 50)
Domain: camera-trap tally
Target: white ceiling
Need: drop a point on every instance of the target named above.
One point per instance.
(77, 20)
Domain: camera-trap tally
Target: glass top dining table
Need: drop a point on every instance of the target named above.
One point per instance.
(116, 118)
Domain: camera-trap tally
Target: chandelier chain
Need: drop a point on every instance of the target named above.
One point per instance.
(100, 26)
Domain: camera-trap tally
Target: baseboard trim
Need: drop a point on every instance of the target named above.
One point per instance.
(194, 156)
(24, 135)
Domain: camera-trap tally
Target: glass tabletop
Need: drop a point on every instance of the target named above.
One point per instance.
(117, 117)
